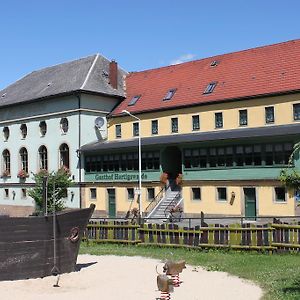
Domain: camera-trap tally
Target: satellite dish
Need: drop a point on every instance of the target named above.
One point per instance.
(99, 122)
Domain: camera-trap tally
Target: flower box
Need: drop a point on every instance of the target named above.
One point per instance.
(5, 173)
(22, 174)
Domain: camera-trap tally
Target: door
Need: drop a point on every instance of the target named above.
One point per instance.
(250, 202)
(111, 203)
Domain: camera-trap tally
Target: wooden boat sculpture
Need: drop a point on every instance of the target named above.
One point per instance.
(34, 247)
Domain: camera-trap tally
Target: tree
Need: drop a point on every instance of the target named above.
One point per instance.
(58, 182)
(289, 176)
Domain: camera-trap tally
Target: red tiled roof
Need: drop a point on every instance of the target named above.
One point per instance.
(260, 71)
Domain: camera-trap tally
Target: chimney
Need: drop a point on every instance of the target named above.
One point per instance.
(113, 74)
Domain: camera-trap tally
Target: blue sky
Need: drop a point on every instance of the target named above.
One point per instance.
(139, 34)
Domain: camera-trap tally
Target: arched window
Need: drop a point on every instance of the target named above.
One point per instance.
(43, 128)
(24, 159)
(23, 129)
(5, 133)
(64, 156)
(43, 158)
(6, 162)
(64, 125)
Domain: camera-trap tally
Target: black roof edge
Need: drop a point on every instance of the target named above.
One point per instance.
(216, 135)
(64, 94)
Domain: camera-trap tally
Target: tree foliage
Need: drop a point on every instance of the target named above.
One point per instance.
(58, 182)
(289, 176)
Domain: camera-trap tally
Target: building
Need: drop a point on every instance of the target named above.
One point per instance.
(46, 117)
(227, 123)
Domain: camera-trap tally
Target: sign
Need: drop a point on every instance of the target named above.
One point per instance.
(119, 177)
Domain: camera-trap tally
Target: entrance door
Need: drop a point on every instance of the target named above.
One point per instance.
(250, 202)
(171, 161)
(111, 203)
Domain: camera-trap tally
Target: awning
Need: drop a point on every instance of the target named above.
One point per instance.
(217, 135)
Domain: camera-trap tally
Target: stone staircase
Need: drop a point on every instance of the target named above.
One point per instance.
(172, 194)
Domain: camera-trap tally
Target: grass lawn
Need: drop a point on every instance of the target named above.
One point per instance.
(278, 275)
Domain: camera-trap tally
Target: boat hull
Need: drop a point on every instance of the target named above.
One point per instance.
(27, 244)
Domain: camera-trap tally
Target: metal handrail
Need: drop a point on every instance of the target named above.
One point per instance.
(156, 199)
(173, 203)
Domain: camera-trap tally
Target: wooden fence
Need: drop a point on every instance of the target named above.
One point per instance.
(271, 237)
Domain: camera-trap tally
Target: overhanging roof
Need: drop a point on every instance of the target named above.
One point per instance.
(175, 139)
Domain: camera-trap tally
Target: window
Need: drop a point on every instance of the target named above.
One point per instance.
(43, 128)
(23, 129)
(6, 193)
(5, 133)
(276, 154)
(24, 159)
(150, 193)
(169, 94)
(196, 122)
(296, 108)
(134, 100)
(43, 158)
(93, 193)
(154, 126)
(214, 63)
(118, 131)
(64, 156)
(6, 162)
(269, 114)
(210, 88)
(196, 193)
(174, 125)
(243, 117)
(24, 193)
(135, 129)
(64, 125)
(122, 162)
(279, 194)
(222, 194)
(219, 120)
(130, 193)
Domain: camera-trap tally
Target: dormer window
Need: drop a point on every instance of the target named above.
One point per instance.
(210, 88)
(170, 94)
(214, 63)
(134, 100)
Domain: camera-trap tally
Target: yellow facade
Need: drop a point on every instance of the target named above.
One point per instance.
(283, 107)
(266, 205)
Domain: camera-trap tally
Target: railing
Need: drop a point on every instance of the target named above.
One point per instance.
(155, 201)
(172, 204)
(271, 237)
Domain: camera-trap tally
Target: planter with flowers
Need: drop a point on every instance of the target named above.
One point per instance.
(176, 213)
(22, 174)
(164, 178)
(179, 179)
(5, 173)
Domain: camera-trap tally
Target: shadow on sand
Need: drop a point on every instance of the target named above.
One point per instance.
(82, 266)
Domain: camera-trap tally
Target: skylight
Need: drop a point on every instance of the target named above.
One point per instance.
(210, 88)
(3, 95)
(133, 100)
(214, 63)
(170, 94)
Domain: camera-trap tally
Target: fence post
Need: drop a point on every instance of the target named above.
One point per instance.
(202, 217)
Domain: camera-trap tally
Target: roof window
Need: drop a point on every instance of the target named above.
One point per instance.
(3, 95)
(170, 94)
(214, 63)
(134, 100)
(210, 88)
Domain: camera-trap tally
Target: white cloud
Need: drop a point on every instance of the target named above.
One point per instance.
(182, 59)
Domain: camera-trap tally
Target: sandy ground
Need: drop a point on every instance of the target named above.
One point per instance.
(122, 278)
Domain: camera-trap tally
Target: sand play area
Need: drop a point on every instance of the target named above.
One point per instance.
(122, 278)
